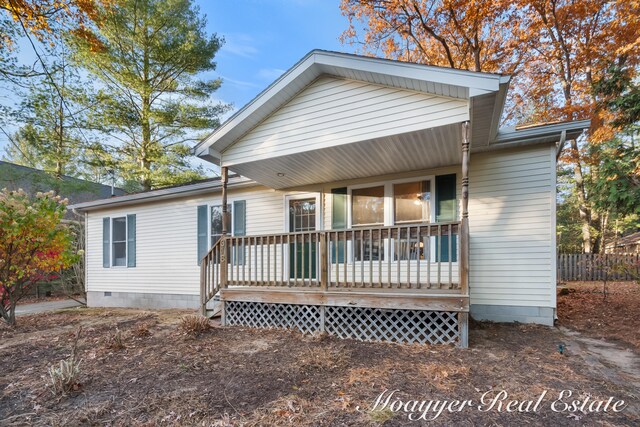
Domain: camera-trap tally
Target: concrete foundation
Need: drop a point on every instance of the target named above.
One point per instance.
(509, 313)
(141, 300)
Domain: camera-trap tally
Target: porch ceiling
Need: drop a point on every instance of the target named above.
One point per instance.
(418, 150)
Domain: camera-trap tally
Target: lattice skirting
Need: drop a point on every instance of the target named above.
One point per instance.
(366, 324)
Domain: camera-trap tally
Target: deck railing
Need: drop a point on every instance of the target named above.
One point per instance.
(210, 273)
(416, 256)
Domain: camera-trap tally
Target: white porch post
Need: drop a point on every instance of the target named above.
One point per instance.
(463, 317)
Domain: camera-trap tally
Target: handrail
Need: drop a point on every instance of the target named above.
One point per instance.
(210, 282)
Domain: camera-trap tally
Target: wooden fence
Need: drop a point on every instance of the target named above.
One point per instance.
(585, 267)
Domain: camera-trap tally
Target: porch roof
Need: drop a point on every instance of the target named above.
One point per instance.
(484, 91)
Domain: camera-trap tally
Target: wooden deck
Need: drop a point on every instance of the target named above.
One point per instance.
(373, 298)
(415, 267)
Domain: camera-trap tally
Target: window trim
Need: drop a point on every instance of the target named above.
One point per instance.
(301, 196)
(126, 241)
(389, 211)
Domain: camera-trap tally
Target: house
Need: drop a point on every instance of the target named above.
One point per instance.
(629, 244)
(364, 197)
(13, 177)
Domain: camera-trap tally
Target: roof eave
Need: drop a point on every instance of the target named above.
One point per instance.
(573, 130)
(157, 195)
(312, 66)
(546, 134)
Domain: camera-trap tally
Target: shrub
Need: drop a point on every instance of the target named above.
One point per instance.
(194, 324)
(34, 245)
(141, 330)
(115, 341)
(64, 377)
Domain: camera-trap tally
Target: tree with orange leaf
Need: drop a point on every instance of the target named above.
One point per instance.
(556, 50)
(480, 35)
(34, 244)
(573, 43)
(45, 20)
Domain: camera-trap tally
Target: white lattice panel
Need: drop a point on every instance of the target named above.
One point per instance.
(305, 318)
(366, 324)
(406, 326)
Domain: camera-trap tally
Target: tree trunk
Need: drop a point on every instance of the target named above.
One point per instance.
(603, 238)
(145, 163)
(12, 315)
(585, 213)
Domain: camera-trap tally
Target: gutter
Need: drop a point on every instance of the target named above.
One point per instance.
(134, 199)
(556, 134)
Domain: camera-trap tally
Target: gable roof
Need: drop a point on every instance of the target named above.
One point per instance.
(31, 180)
(441, 81)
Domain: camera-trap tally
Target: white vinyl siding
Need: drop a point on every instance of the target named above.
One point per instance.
(512, 227)
(333, 112)
(167, 241)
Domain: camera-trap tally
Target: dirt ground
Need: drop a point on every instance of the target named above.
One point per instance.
(238, 376)
(616, 317)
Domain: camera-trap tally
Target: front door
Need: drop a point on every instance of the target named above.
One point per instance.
(302, 256)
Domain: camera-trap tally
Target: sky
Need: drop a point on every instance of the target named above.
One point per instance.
(263, 38)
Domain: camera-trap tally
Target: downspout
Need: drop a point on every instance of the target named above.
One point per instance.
(560, 146)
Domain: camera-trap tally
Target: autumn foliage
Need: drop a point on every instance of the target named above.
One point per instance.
(555, 49)
(45, 18)
(34, 244)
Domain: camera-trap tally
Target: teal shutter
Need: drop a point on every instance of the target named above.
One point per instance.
(446, 209)
(338, 220)
(442, 249)
(131, 240)
(239, 218)
(239, 227)
(106, 242)
(202, 232)
(446, 198)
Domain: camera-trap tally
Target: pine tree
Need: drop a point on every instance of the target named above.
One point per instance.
(53, 118)
(152, 103)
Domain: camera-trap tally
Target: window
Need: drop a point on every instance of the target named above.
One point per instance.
(394, 202)
(209, 226)
(216, 223)
(412, 202)
(119, 241)
(302, 215)
(367, 206)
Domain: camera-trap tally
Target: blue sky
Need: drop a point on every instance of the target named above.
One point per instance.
(266, 37)
(263, 38)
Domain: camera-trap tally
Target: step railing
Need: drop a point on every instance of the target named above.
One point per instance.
(210, 273)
